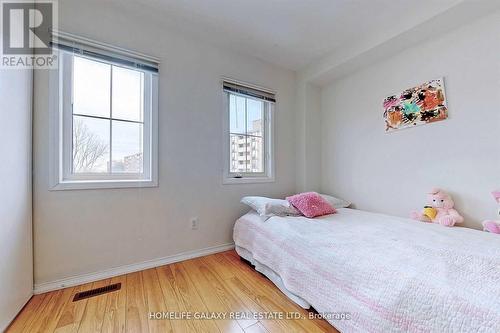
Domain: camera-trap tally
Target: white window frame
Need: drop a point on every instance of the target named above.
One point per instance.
(268, 176)
(61, 135)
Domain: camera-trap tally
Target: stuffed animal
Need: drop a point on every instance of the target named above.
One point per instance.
(439, 210)
(490, 225)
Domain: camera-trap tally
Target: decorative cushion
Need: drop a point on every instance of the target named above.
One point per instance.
(311, 204)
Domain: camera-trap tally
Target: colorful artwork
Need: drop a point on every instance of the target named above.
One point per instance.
(420, 105)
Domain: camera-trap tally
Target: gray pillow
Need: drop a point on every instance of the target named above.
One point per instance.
(336, 202)
(270, 207)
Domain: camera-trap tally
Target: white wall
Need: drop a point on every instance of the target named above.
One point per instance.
(16, 268)
(391, 173)
(308, 136)
(79, 232)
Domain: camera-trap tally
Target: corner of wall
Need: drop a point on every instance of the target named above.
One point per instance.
(308, 138)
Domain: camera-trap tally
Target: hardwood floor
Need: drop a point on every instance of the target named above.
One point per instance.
(215, 285)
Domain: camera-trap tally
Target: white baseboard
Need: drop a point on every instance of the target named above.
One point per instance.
(108, 273)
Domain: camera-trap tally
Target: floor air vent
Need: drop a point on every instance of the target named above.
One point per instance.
(97, 291)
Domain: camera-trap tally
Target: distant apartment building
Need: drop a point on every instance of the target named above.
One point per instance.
(133, 163)
(247, 151)
(129, 164)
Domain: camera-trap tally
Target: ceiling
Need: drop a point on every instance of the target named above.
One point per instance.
(289, 33)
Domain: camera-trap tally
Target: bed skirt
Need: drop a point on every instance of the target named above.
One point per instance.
(271, 275)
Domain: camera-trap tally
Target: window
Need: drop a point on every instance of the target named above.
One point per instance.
(248, 124)
(106, 121)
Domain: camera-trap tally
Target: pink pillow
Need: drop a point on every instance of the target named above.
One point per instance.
(311, 204)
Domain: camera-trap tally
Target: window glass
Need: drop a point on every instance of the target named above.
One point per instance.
(246, 118)
(127, 152)
(91, 87)
(128, 93)
(105, 141)
(91, 143)
(237, 114)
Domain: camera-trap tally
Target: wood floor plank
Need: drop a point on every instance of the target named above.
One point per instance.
(49, 323)
(223, 266)
(137, 309)
(214, 295)
(256, 328)
(94, 311)
(190, 298)
(223, 291)
(26, 316)
(116, 308)
(240, 291)
(154, 297)
(257, 304)
(72, 314)
(172, 301)
(42, 317)
(221, 260)
(178, 288)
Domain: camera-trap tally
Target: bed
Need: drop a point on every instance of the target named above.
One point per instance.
(368, 272)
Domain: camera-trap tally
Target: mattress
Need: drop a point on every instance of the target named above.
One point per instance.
(368, 272)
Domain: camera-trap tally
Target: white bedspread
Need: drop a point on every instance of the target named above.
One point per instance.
(391, 274)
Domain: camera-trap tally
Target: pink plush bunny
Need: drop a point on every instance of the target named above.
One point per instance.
(490, 225)
(440, 210)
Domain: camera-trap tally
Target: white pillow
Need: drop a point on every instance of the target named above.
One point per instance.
(336, 202)
(270, 207)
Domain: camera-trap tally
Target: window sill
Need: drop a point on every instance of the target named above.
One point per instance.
(102, 184)
(247, 180)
